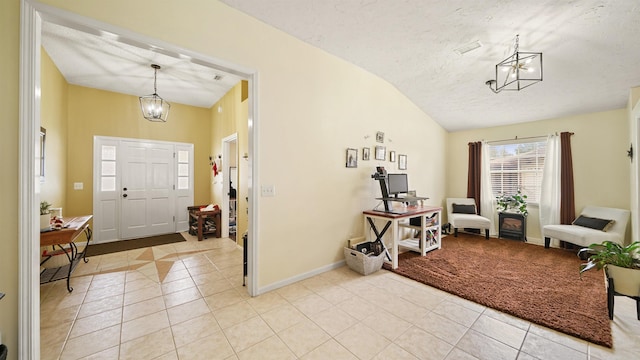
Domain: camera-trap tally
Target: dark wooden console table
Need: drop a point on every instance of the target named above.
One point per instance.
(512, 226)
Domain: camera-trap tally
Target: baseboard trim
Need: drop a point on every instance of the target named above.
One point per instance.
(299, 277)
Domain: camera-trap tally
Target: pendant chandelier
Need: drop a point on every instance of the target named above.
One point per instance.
(153, 107)
(518, 71)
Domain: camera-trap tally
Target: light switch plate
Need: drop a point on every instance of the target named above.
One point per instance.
(268, 191)
(78, 186)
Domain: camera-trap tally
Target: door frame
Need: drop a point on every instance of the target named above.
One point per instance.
(32, 13)
(226, 153)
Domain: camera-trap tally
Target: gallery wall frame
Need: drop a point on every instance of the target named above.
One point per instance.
(366, 154)
(381, 152)
(352, 158)
(402, 162)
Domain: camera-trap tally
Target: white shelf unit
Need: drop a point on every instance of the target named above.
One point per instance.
(431, 237)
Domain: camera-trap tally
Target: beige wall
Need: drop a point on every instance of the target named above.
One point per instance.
(600, 167)
(102, 113)
(53, 117)
(312, 106)
(9, 94)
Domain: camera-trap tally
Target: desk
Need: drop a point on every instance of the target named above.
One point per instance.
(73, 227)
(430, 234)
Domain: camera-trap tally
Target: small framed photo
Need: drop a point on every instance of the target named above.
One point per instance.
(352, 158)
(392, 156)
(381, 152)
(366, 153)
(380, 137)
(402, 162)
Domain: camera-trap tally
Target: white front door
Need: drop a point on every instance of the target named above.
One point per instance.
(147, 202)
(141, 188)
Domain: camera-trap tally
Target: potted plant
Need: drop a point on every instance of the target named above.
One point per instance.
(45, 214)
(621, 265)
(516, 203)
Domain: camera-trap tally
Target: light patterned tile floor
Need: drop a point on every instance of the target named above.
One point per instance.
(186, 301)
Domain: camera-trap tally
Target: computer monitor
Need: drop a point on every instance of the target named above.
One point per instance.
(397, 183)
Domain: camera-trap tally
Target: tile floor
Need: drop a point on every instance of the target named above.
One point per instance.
(186, 301)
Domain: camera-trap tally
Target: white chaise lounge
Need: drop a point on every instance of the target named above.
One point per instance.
(596, 227)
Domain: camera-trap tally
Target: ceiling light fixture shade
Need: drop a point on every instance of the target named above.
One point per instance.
(154, 108)
(518, 71)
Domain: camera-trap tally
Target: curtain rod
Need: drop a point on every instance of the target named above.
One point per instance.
(523, 138)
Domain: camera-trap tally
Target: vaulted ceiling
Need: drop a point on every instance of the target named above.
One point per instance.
(590, 52)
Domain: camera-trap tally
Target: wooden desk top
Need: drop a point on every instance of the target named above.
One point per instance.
(409, 211)
(74, 226)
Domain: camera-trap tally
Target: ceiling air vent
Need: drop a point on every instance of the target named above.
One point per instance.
(468, 47)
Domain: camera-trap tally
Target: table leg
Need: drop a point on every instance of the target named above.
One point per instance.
(423, 235)
(395, 235)
(379, 235)
(200, 225)
(89, 234)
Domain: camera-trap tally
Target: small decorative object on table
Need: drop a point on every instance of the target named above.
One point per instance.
(45, 215)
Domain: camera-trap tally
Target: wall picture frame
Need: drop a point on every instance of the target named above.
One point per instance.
(381, 152)
(392, 156)
(366, 154)
(402, 162)
(352, 158)
(380, 137)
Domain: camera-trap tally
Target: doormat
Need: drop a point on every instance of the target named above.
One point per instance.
(124, 245)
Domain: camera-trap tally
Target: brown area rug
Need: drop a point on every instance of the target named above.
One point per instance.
(124, 245)
(540, 285)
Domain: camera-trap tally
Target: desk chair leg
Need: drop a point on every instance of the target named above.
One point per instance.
(486, 234)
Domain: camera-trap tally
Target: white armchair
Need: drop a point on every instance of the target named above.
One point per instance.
(585, 236)
(465, 216)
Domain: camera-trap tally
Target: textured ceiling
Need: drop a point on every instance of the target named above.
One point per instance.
(590, 51)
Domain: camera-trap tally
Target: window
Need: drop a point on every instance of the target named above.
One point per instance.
(108, 168)
(518, 166)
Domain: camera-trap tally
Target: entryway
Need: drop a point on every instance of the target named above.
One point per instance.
(141, 187)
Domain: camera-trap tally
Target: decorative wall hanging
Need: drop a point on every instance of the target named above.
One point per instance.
(380, 137)
(392, 156)
(381, 152)
(352, 158)
(402, 162)
(366, 153)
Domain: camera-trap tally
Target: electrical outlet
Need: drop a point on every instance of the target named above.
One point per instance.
(78, 186)
(268, 190)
